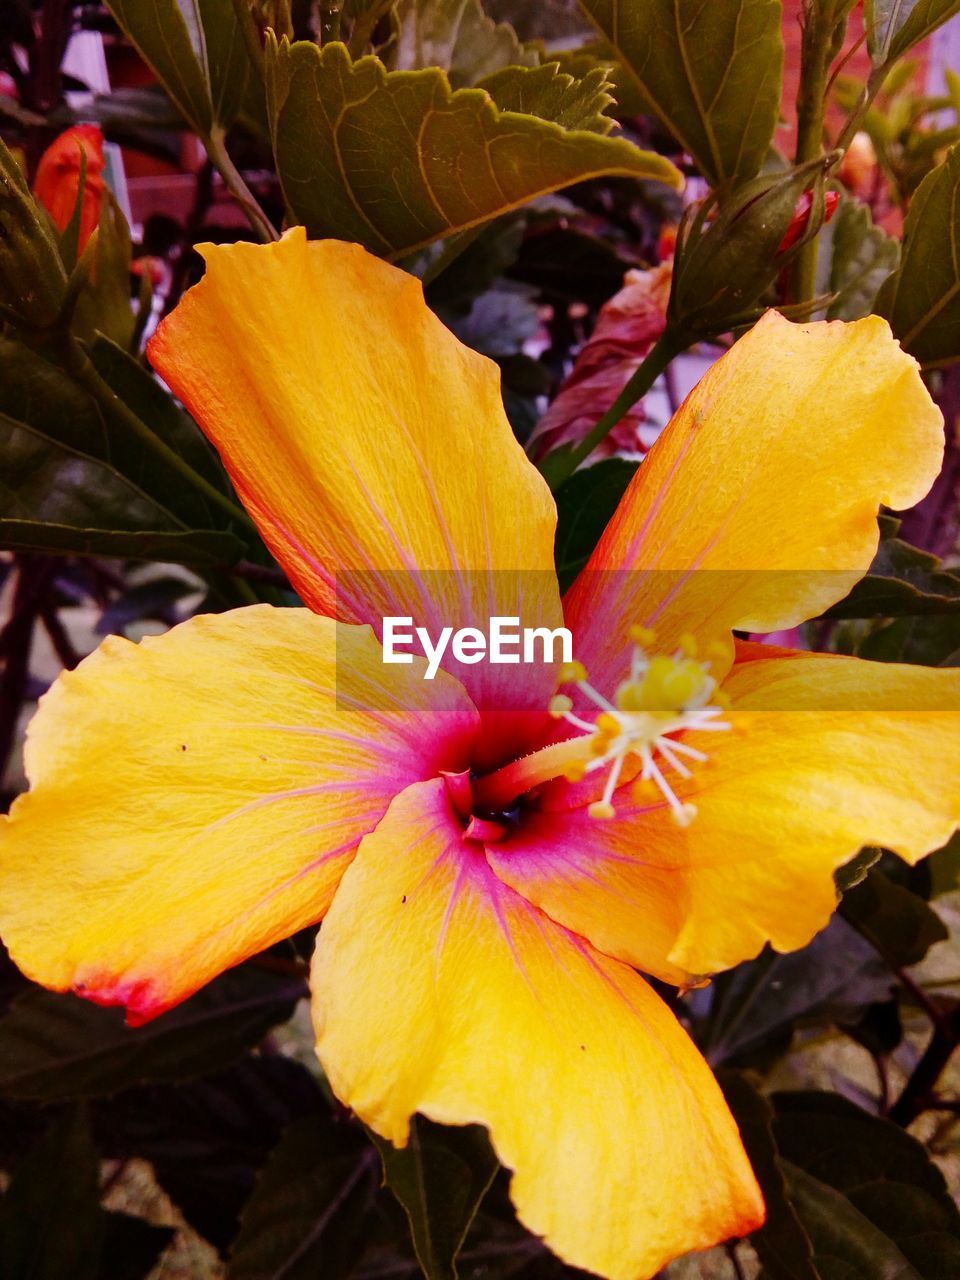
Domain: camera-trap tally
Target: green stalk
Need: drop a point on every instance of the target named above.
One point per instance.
(330, 15)
(233, 180)
(815, 58)
(560, 465)
(871, 89)
(363, 29)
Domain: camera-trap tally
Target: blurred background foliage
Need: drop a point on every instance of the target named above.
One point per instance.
(818, 143)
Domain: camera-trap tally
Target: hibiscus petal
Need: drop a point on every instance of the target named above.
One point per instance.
(619, 883)
(756, 508)
(370, 445)
(825, 756)
(197, 797)
(438, 990)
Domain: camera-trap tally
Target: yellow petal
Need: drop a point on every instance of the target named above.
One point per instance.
(196, 797)
(368, 443)
(619, 882)
(439, 990)
(756, 508)
(826, 755)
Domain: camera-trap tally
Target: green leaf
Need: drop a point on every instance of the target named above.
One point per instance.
(857, 869)
(52, 1226)
(929, 641)
(849, 1196)
(143, 111)
(551, 94)
(458, 37)
(306, 1213)
(585, 58)
(903, 581)
(846, 1244)
(710, 72)
(900, 924)
(922, 299)
(137, 387)
(585, 504)
(945, 867)
(397, 160)
(440, 1177)
(103, 304)
(198, 52)
(894, 26)
(783, 1244)
(51, 1223)
(862, 258)
(57, 1047)
(33, 282)
(76, 482)
(867, 1194)
(758, 1004)
(202, 548)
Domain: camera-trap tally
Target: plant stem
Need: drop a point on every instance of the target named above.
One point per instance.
(664, 350)
(363, 29)
(815, 58)
(871, 89)
(330, 14)
(233, 180)
(59, 638)
(918, 1092)
(244, 18)
(920, 997)
(86, 374)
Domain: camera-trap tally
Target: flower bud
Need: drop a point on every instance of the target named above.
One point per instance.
(57, 181)
(33, 282)
(728, 256)
(801, 217)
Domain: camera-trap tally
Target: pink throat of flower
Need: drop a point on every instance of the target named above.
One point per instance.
(664, 697)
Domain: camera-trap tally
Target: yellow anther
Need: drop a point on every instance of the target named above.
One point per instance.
(684, 682)
(684, 815)
(669, 685)
(629, 696)
(608, 725)
(559, 705)
(717, 651)
(571, 672)
(575, 770)
(688, 645)
(642, 636)
(599, 744)
(601, 810)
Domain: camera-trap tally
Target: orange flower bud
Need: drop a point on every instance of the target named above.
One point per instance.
(859, 165)
(58, 179)
(801, 215)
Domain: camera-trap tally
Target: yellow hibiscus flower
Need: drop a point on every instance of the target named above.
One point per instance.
(493, 861)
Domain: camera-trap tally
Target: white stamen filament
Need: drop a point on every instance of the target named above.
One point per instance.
(643, 720)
